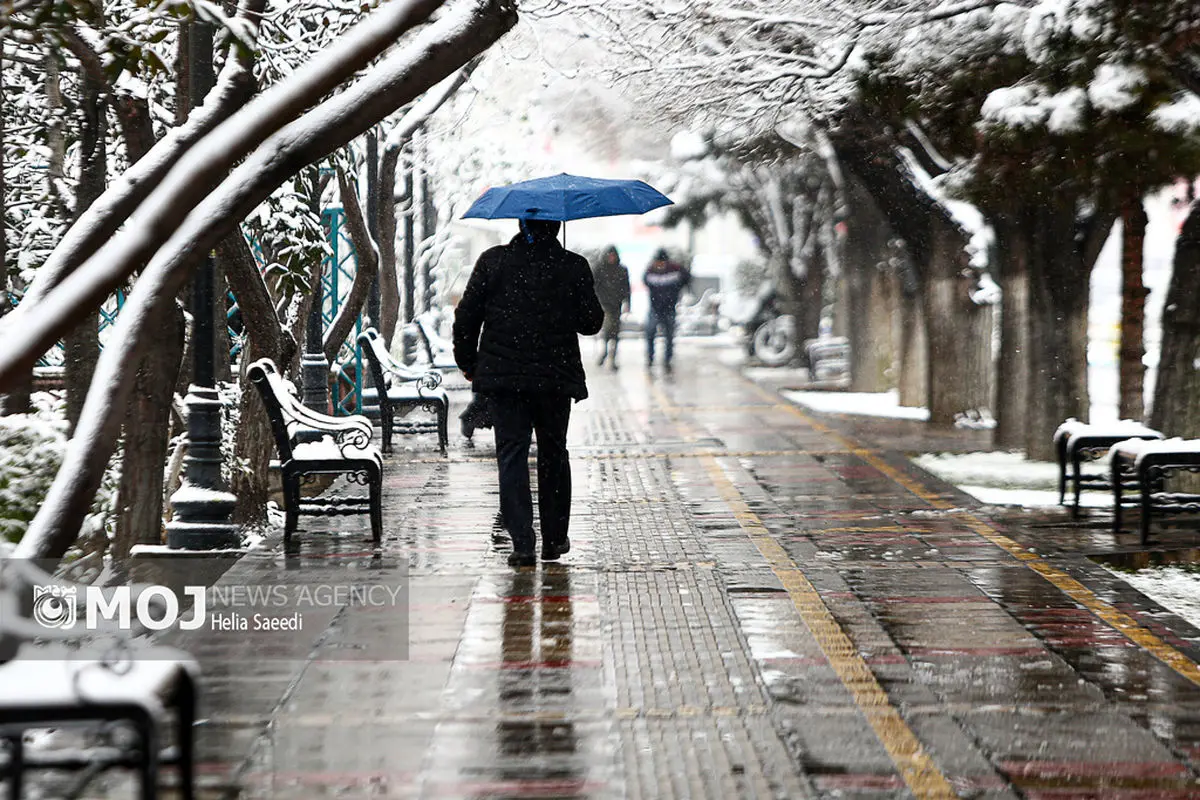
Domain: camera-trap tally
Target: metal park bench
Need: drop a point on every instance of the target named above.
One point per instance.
(438, 350)
(1149, 464)
(311, 444)
(1076, 442)
(828, 358)
(92, 690)
(399, 390)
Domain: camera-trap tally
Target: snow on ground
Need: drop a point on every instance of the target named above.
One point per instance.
(1173, 587)
(874, 404)
(1003, 479)
(1000, 470)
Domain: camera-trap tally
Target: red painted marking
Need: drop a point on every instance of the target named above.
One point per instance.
(934, 600)
(545, 787)
(858, 781)
(1111, 769)
(1108, 792)
(935, 652)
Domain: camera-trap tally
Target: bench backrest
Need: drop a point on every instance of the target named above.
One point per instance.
(266, 378)
(377, 357)
(430, 337)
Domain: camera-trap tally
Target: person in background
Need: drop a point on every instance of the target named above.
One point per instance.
(612, 289)
(665, 279)
(516, 338)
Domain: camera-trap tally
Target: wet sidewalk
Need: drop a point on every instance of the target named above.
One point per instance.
(756, 604)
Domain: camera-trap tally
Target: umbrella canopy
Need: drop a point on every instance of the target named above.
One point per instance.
(565, 197)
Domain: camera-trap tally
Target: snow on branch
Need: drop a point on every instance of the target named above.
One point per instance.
(192, 177)
(467, 29)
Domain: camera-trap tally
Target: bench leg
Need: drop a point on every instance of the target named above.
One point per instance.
(386, 422)
(1146, 488)
(377, 507)
(291, 497)
(443, 415)
(1062, 471)
(1078, 479)
(186, 701)
(16, 766)
(1115, 473)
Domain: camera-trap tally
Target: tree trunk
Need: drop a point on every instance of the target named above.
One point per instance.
(1012, 369)
(147, 436)
(957, 381)
(1058, 317)
(1176, 409)
(16, 400)
(389, 285)
(1132, 369)
(870, 318)
(914, 352)
(409, 282)
(366, 267)
(82, 344)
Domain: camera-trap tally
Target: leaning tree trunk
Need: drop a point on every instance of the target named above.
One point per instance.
(1176, 408)
(1058, 279)
(957, 381)
(1012, 369)
(1131, 366)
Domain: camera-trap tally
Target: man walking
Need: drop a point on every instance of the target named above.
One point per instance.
(612, 289)
(665, 280)
(516, 338)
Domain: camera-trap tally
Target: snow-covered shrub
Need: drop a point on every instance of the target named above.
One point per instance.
(31, 448)
(31, 451)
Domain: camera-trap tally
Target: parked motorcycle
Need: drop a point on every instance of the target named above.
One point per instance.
(772, 336)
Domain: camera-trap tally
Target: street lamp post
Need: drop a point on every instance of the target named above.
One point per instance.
(203, 506)
(314, 367)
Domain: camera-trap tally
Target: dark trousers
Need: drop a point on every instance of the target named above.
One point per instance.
(660, 321)
(516, 416)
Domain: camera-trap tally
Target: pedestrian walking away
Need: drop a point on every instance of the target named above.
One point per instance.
(612, 289)
(516, 338)
(665, 280)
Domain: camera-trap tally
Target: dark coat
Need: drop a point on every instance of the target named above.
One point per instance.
(612, 286)
(531, 301)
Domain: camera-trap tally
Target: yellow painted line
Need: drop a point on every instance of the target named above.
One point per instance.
(914, 764)
(1110, 614)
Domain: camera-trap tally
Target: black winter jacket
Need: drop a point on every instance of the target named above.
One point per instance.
(531, 301)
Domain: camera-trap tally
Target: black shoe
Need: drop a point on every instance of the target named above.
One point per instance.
(519, 559)
(554, 552)
(668, 369)
(600, 363)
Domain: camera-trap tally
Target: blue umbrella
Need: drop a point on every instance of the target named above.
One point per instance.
(565, 197)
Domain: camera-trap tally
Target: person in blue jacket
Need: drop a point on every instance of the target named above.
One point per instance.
(665, 280)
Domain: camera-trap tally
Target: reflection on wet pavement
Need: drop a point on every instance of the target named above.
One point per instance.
(755, 605)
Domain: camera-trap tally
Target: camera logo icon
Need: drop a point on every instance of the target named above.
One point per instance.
(54, 606)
